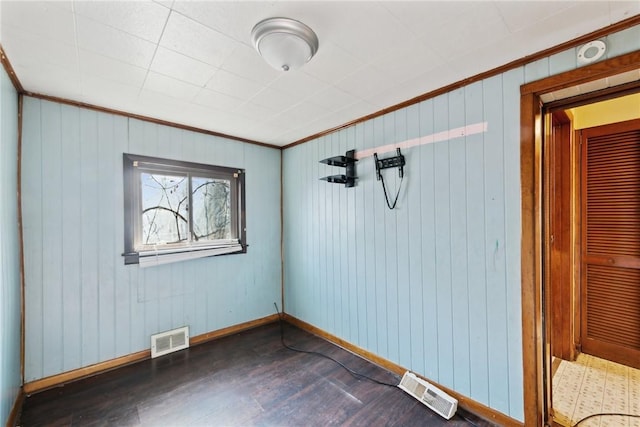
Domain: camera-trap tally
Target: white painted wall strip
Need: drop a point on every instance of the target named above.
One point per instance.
(427, 139)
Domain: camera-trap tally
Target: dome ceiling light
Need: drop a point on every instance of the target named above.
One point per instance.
(286, 44)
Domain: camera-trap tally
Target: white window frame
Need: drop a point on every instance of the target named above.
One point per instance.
(135, 253)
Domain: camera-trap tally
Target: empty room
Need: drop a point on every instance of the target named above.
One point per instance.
(310, 213)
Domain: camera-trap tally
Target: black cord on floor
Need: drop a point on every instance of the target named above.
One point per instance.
(466, 419)
(353, 373)
(606, 414)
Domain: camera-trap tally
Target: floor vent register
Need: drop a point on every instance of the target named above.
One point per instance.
(431, 396)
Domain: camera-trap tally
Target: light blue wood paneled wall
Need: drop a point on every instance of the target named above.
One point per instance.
(426, 285)
(435, 284)
(10, 376)
(83, 305)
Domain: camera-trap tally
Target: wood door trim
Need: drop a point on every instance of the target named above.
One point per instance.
(531, 233)
(577, 243)
(560, 252)
(597, 71)
(531, 259)
(583, 238)
(10, 71)
(23, 309)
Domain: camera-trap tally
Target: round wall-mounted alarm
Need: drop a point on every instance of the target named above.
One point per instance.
(591, 52)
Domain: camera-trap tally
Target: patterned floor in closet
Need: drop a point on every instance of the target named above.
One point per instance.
(591, 385)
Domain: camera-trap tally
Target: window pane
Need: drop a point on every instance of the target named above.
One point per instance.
(211, 209)
(164, 208)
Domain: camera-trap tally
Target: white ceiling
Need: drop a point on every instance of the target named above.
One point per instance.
(192, 62)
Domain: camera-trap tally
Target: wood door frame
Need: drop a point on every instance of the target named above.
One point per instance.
(537, 411)
(561, 198)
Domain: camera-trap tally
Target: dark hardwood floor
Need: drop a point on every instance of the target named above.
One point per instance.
(248, 379)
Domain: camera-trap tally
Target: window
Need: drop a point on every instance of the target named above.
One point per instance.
(178, 210)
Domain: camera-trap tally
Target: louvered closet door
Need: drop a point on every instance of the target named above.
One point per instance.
(610, 287)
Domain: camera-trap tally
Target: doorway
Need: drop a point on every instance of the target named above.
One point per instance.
(591, 205)
(592, 211)
(536, 247)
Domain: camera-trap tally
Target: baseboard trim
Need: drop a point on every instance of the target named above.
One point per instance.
(98, 368)
(87, 371)
(466, 403)
(12, 421)
(200, 339)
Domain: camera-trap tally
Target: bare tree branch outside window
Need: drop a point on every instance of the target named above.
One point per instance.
(165, 208)
(177, 210)
(164, 217)
(211, 209)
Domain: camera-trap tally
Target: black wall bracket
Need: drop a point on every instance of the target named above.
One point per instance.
(348, 161)
(390, 162)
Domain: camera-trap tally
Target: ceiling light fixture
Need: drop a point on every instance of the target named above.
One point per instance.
(286, 44)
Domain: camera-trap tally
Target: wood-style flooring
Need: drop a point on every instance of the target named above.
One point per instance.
(248, 379)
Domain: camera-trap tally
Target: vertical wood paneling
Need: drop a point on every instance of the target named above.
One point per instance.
(10, 301)
(380, 249)
(32, 228)
(459, 242)
(428, 243)
(342, 272)
(443, 240)
(436, 281)
(368, 183)
(287, 177)
(402, 250)
(623, 42)
(536, 70)
(52, 236)
(413, 302)
(390, 231)
(513, 231)
(476, 232)
(301, 176)
(71, 235)
(495, 244)
(315, 311)
(338, 250)
(83, 304)
(324, 211)
(122, 292)
(262, 280)
(107, 171)
(359, 222)
(89, 187)
(563, 61)
(350, 280)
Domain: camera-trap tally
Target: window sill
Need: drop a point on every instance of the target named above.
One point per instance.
(149, 258)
